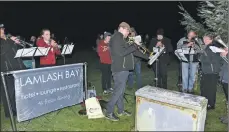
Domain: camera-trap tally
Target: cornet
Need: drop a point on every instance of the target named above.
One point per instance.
(220, 41)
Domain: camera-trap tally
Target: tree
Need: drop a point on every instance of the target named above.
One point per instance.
(214, 18)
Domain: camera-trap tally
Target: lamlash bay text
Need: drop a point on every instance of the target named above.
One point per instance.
(44, 78)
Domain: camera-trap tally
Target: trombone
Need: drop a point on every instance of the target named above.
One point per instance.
(220, 41)
(141, 48)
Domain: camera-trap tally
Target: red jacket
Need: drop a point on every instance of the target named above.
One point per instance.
(50, 59)
(104, 53)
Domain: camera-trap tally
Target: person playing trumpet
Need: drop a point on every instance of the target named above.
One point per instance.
(46, 41)
(9, 63)
(161, 41)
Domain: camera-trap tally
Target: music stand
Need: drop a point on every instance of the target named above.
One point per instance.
(26, 53)
(154, 58)
(42, 51)
(67, 50)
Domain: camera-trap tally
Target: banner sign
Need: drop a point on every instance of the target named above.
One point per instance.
(40, 91)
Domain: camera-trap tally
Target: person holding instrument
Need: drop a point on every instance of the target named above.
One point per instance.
(9, 63)
(122, 55)
(46, 41)
(210, 65)
(137, 66)
(189, 68)
(161, 41)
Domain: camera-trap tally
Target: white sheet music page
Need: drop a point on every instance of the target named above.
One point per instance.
(138, 38)
(216, 49)
(180, 55)
(67, 49)
(19, 53)
(42, 51)
(28, 52)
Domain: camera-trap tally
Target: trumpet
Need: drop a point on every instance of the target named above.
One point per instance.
(21, 42)
(141, 48)
(220, 41)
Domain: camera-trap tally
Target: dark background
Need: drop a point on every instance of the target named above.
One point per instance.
(82, 21)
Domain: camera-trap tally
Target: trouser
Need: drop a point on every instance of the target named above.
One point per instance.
(188, 75)
(225, 89)
(11, 93)
(120, 79)
(208, 86)
(106, 76)
(161, 72)
(137, 71)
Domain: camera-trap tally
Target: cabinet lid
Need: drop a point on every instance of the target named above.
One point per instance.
(172, 97)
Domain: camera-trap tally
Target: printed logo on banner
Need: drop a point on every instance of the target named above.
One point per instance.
(40, 91)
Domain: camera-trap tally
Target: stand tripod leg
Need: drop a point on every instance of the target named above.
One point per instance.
(125, 97)
(156, 74)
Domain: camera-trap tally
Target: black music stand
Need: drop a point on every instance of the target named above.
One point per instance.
(158, 53)
(26, 53)
(180, 55)
(67, 50)
(41, 51)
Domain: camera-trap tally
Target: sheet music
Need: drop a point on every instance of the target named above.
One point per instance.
(216, 49)
(138, 38)
(180, 55)
(186, 51)
(154, 57)
(67, 49)
(26, 52)
(42, 51)
(19, 53)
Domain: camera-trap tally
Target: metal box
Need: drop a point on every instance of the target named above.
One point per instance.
(159, 109)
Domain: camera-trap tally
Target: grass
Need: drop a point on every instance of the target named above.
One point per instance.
(69, 120)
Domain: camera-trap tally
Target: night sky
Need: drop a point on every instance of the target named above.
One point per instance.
(82, 21)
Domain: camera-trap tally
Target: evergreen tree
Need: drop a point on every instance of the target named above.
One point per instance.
(214, 17)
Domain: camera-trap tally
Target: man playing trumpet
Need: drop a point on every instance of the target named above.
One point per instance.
(161, 41)
(189, 68)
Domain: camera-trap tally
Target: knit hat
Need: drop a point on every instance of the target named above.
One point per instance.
(106, 34)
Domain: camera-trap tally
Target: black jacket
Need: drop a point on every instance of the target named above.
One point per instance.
(164, 57)
(122, 54)
(8, 51)
(210, 62)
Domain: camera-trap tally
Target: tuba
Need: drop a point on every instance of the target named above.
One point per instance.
(220, 41)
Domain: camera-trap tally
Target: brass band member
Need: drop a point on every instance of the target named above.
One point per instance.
(46, 41)
(161, 41)
(189, 68)
(137, 66)
(210, 65)
(9, 63)
(122, 62)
